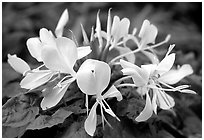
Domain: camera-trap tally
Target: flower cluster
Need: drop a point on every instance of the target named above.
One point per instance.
(58, 56)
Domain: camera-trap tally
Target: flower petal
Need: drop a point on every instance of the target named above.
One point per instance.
(93, 76)
(54, 61)
(18, 64)
(120, 28)
(152, 57)
(123, 50)
(166, 64)
(137, 78)
(148, 33)
(98, 30)
(68, 50)
(46, 37)
(61, 23)
(53, 98)
(136, 71)
(109, 25)
(142, 90)
(164, 100)
(115, 24)
(36, 79)
(90, 122)
(147, 111)
(34, 46)
(83, 51)
(86, 78)
(188, 91)
(149, 69)
(174, 76)
(113, 92)
(123, 27)
(85, 37)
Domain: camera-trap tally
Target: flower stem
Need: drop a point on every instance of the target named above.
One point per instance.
(121, 79)
(140, 49)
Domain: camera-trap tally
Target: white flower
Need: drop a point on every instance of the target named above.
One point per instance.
(61, 23)
(148, 33)
(33, 78)
(120, 28)
(59, 55)
(18, 64)
(93, 78)
(151, 77)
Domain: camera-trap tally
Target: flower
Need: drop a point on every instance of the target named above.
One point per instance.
(119, 28)
(93, 78)
(58, 54)
(33, 78)
(148, 33)
(18, 64)
(151, 77)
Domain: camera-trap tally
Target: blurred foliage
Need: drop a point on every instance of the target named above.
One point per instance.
(183, 21)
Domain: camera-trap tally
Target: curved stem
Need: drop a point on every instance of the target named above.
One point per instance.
(121, 79)
(141, 49)
(123, 55)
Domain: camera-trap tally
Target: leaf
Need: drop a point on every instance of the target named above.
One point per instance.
(130, 107)
(18, 111)
(9, 132)
(44, 121)
(8, 74)
(76, 107)
(76, 130)
(12, 89)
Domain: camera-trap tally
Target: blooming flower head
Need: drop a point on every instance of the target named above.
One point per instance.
(93, 78)
(58, 54)
(151, 77)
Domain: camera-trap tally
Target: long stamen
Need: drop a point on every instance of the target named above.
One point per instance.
(101, 103)
(167, 102)
(110, 109)
(177, 88)
(87, 105)
(39, 67)
(126, 85)
(164, 89)
(102, 116)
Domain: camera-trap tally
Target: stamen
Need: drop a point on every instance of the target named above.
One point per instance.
(87, 105)
(110, 109)
(179, 88)
(102, 116)
(39, 67)
(126, 85)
